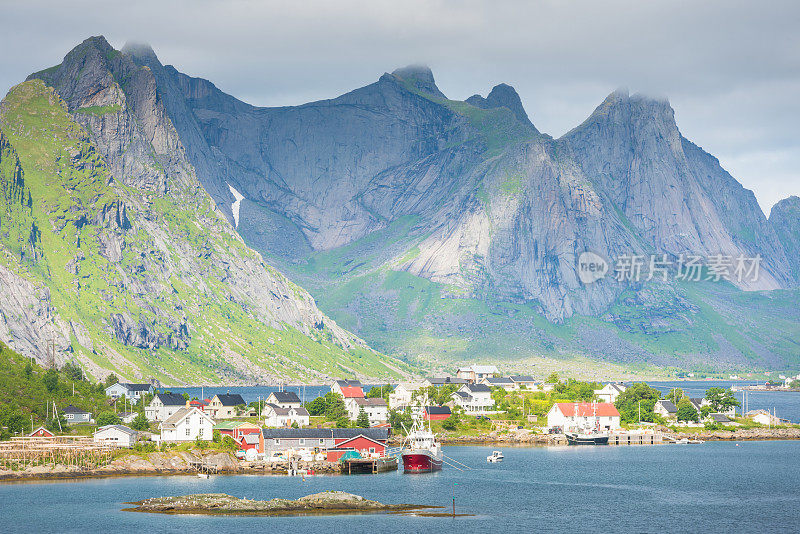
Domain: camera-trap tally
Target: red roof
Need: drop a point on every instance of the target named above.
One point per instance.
(587, 409)
(352, 392)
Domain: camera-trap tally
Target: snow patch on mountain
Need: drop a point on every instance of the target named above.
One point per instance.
(236, 204)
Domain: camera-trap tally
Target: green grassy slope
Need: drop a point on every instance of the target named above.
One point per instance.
(70, 187)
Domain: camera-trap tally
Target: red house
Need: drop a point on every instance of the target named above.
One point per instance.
(436, 413)
(42, 432)
(361, 443)
(352, 392)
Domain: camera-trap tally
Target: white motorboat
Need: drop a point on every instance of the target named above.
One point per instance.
(495, 457)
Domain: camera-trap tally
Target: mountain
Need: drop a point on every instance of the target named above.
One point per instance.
(440, 230)
(785, 219)
(114, 252)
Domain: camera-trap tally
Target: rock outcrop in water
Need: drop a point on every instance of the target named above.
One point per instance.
(328, 502)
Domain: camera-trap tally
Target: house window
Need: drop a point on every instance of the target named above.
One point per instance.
(302, 441)
(188, 431)
(277, 441)
(372, 450)
(321, 441)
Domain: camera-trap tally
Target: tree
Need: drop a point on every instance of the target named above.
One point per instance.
(638, 398)
(15, 421)
(50, 380)
(687, 411)
(451, 423)
(318, 406)
(398, 419)
(379, 392)
(675, 395)
(336, 409)
(73, 371)
(108, 418)
(362, 421)
(240, 409)
(111, 379)
(57, 424)
(343, 422)
(140, 422)
(552, 379)
(28, 369)
(185, 396)
(721, 399)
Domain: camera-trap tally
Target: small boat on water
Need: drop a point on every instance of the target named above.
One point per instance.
(202, 475)
(495, 457)
(421, 452)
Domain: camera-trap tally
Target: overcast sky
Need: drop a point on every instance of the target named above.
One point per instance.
(731, 69)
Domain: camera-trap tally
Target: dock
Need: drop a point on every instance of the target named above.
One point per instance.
(635, 438)
(352, 466)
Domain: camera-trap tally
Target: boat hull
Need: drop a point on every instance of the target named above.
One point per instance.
(578, 439)
(421, 462)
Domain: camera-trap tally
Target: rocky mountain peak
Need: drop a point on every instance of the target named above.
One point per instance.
(420, 77)
(503, 95)
(785, 219)
(140, 52)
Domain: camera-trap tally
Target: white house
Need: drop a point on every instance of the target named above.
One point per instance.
(610, 392)
(474, 398)
(579, 415)
(475, 373)
(764, 417)
(132, 391)
(499, 382)
(163, 406)
(666, 408)
(127, 417)
(278, 416)
(115, 435)
(377, 410)
(403, 394)
(187, 424)
(348, 388)
(524, 382)
(284, 399)
(224, 406)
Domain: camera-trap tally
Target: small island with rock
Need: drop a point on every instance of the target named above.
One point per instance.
(325, 503)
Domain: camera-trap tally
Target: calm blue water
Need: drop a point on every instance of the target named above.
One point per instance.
(786, 404)
(714, 487)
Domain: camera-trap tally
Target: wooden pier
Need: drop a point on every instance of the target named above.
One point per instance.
(635, 438)
(353, 466)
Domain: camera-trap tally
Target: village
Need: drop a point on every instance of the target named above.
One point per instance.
(355, 422)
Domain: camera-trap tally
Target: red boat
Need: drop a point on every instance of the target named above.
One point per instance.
(421, 453)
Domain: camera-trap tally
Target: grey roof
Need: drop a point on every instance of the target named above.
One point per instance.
(285, 411)
(444, 380)
(136, 387)
(176, 418)
(499, 380)
(121, 428)
(369, 402)
(668, 406)
(171, 399)
(522, 378)
(285, 396)
(720, 417)
(462, 394)
(379, 433)
(231, 399)
(73, 409)
(437, 410)
(479, 388)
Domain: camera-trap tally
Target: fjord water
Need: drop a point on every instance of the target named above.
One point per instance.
(714, 487)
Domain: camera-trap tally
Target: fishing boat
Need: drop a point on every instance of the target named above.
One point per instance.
(589, 435)
(421, 452)
(495, 457)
